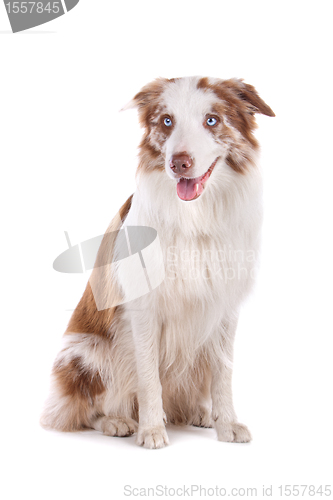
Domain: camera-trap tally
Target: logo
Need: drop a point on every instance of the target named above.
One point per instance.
(133, 253)
(24, 15)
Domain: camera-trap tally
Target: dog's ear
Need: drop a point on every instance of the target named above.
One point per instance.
(248, 94)
(241, 102)
(147, 95)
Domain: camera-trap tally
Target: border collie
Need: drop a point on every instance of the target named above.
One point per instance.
(166, 356)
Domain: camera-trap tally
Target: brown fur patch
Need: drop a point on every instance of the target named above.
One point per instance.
(150, 117)
(238, 163)
(156, 134)
(243, 91)
(147, 100)
(76, 381)
(237, 111)
(240, 103)
(78, 389)
(150, 158)
(86, 318)
(203, 83)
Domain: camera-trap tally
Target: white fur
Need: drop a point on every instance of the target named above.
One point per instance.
(194, 314)
(189, 106)
(197, 316)
(177, 341)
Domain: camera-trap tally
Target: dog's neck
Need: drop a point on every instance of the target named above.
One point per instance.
(231, 201)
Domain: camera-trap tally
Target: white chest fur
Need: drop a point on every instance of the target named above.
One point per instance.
(210, 252)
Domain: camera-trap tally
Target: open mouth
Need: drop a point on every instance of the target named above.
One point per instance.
(191, 189)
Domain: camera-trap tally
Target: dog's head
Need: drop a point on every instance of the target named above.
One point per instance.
(193, 125)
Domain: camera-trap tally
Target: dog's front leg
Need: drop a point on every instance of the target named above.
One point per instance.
(223, 412)
(146, 335)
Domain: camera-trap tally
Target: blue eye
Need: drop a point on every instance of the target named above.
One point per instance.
(211, 121)
(167, 121)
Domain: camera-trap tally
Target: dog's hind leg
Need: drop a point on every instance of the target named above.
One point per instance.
(84, 394)
(115, 426)
(76, 395)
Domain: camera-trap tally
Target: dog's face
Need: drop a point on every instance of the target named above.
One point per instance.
(193, 125)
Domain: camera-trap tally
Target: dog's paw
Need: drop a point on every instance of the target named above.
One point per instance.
(118, 426)
(233, 432)
(202, 417)
(152, 437)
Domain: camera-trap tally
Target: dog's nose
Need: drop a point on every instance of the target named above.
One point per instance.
(180, 163)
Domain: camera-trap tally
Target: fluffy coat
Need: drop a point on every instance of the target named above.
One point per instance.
(167, 356)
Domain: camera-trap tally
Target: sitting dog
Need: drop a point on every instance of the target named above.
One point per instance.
(166, 355)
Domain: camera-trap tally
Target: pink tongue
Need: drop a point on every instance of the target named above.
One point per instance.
(188, 189)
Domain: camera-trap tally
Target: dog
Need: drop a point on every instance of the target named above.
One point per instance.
(166, 356)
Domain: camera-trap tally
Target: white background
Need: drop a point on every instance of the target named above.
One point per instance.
(68, 159)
